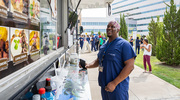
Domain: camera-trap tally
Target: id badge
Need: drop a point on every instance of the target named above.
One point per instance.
(101, 68)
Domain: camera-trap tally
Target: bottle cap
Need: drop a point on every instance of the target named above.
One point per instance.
(36, 97)
(48, 79)
(42, 90)
(48, 88)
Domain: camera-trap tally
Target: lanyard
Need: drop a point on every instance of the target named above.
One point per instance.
(107, 46)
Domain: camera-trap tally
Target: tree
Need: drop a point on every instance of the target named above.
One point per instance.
(105, 35)
(168, 47)
(123, 29)
(154, 31)
(99, 33)
(92, 32)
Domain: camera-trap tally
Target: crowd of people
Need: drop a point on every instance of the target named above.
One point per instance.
(96, 41)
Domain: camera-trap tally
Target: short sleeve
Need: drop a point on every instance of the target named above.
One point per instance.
(127, 52)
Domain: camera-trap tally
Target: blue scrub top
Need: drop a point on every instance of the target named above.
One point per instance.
(137, 42)
(93, 42)
(117, 53)
(81, 40)
(88, 39)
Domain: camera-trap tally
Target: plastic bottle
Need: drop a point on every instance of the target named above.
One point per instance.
(53, 85)
(48, 94)
(36, 97)
(42, 93)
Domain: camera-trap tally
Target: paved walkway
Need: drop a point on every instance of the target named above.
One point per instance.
(143, 86)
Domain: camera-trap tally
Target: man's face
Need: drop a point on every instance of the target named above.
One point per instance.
(111, 30)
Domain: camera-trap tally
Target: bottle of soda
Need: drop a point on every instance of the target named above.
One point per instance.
(42, 93)
(48, 94)
(48, 82)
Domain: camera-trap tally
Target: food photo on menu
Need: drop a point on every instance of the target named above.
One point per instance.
(19, 8)
(4, 43)
(34, 41)
(34, 9)
(19, 41)
(4, 7)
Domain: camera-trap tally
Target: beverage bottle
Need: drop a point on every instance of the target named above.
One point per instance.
(48, 94)
(48, 82)
(36, 97)
(42, 93)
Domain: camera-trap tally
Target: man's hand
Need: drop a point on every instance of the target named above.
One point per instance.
(110, 87)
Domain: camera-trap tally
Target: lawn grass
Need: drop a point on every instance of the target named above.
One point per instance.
(167, 73)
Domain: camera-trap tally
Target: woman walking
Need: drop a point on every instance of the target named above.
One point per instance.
(147, 54)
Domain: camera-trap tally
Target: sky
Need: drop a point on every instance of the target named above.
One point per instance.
(97, 12)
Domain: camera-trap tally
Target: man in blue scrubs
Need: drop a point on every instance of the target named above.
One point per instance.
(81, 39)
(93, 43)
(115, 61)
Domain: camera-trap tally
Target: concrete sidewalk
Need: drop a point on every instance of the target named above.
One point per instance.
(143, 86)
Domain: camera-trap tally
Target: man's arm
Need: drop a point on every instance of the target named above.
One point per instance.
(129, 66)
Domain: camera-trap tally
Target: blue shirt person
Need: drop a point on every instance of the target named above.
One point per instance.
(81, 39)
(138, 42)
(115, 61)
(131, 40)
(104, 39)
(88, 38)
(93, 43)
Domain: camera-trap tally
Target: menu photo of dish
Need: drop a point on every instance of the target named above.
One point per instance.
(4, 8)
(34, 44)
(4, 47)
(19, 8)
(54, 8)
(19, 45)
(34, 11)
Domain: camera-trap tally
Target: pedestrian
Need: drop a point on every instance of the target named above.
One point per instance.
(97, 42)
(81, 39)
(141, 40)
(138, 42)
(116, 61)
(93, 43)
(100, 41)
(147, 54)
(131, 40)
(88, 39)
(45, 44)
(104, 39)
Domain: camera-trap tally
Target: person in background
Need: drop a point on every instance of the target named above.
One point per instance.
(131, 40)
(147, 54)
(141, 40)
(100, 41)
(81, 39)
(97, 42)
(45, 44)
(104, 39)
(116, 61)
(88, 39)
(93, 43)
(138, 42)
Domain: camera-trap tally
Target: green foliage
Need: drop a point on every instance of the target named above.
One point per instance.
(154, 30)
(105, 35)
(168, 45)
(138, 35)
(123, 30)
(99, 33)
(92, 32)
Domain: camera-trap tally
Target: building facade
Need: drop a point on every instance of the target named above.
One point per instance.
(100, 24)
(141, 11)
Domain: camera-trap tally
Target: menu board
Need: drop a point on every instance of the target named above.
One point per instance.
(19, 45)
(4, 47)
(19, 8)
(34, 11)
(4, 8)
(34, 44)
(54, 9)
